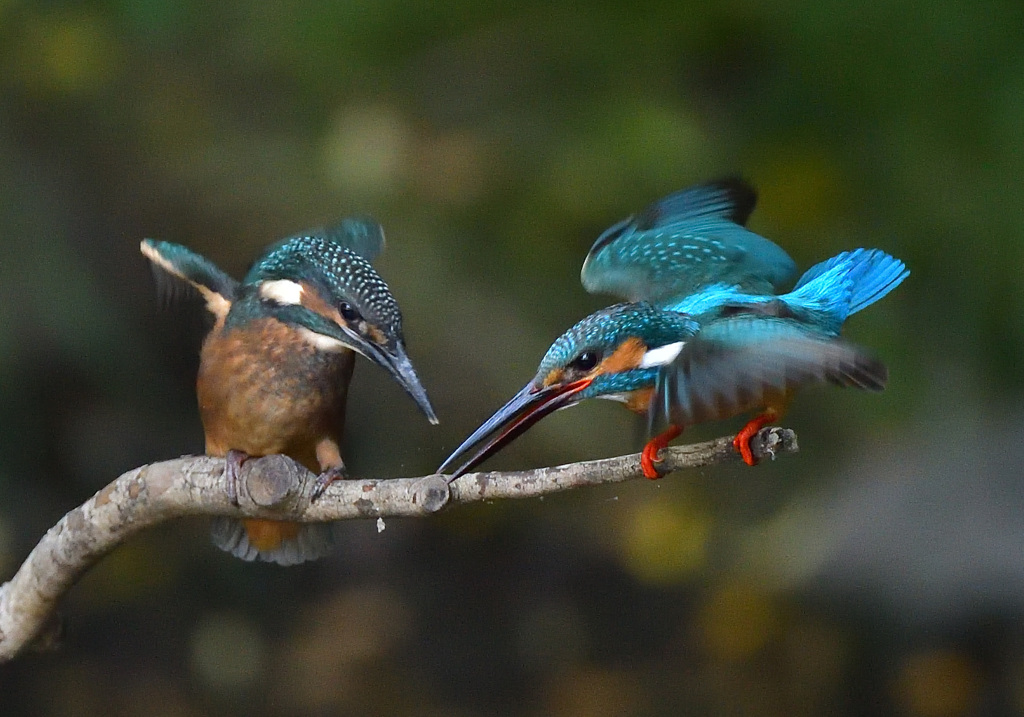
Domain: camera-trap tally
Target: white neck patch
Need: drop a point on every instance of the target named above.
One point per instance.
(283, 291)
(661, 356)
(320, 342)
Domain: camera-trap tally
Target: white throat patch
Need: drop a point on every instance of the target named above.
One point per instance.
(320, 342)
(661, 356)
(283, 291)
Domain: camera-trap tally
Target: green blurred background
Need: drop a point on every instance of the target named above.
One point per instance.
(881, 571)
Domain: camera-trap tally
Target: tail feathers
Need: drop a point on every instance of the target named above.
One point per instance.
(848, 282)
(873, 277)
(272, 541)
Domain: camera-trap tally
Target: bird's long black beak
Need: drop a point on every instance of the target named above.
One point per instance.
(392, 357)
(397, 363)
(509, 422)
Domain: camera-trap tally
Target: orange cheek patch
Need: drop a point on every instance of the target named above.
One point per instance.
(376, 335)
(627, 356)
(555, 376)
(312, 300)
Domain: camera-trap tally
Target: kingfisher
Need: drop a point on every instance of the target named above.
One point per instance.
(275, 368)
(703, 333)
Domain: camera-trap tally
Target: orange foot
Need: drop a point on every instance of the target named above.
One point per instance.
(650, 458)
(742, 440)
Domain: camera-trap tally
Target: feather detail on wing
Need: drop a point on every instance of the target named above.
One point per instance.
(686, 241)
(177, 268)
(741, 363)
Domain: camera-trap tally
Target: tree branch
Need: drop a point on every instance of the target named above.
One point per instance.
(277, 487)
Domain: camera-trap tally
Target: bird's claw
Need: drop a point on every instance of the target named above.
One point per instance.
(325, 479)
(742, 440)
(649, 460)
(232, 466)
(650, 457)
(742, 444)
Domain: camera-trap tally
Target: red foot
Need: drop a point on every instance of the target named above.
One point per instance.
(742, 440)
(650, 458)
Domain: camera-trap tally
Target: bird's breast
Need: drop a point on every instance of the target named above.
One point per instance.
(262, 389)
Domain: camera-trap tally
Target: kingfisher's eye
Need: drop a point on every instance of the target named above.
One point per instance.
(348, 312)
(585, 361)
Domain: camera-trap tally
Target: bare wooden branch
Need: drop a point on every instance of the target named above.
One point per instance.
(277, 487)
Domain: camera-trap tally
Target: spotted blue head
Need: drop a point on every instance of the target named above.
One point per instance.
(610, 354)
(320, 283)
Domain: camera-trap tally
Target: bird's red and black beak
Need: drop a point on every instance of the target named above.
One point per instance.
(510, 421)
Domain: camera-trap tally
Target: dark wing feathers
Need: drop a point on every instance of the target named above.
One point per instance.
(178, 268)
(738, 364)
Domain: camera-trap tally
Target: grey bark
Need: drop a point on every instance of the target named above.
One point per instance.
(277, 487)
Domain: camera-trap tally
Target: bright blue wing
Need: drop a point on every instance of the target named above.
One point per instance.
(736, 364)
(685, 242)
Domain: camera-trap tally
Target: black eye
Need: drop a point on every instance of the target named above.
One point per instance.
(348, 312)
(585, 361)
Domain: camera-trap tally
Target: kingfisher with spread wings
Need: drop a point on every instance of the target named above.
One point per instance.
(703, 333)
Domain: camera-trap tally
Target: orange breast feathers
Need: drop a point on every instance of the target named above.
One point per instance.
(262, 389)
(639, 401)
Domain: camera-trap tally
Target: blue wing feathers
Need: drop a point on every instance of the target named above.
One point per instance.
(731, 200)
(687, 241)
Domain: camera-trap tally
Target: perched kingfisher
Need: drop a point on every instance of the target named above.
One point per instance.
(704, 334)
(275, 368)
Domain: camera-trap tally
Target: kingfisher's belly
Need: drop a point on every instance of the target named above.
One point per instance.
(282, 397)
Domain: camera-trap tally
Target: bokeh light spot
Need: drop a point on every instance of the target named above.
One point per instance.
(593, 692)
(366, 152)
(65, 53)
(736, 621)
(940, 683)
(664, 543)
(228, 652)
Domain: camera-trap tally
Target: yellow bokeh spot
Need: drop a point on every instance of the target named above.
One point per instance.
(938, 684)
(663, 543)
(228, 651)
(593, 692)
(800, 189)
(737, 621)
(367, 151)
(66, 53)
(135, 570)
